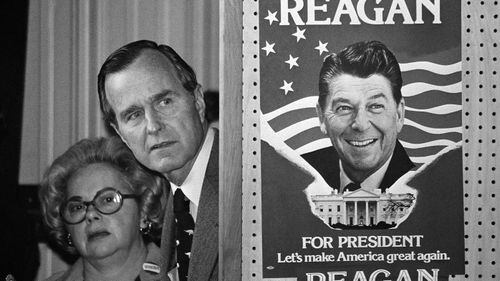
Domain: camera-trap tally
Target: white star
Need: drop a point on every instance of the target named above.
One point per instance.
(321, 47)
(188, 254)
(271, 17)
(287, 87)
(189, 231)
(292, 61)
(177, 242)
(299, 34)
(269, 48)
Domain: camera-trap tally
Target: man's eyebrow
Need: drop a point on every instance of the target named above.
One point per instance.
(340, 99)
(161, 95)
(378, 95)
(128, 110)
(154, 98)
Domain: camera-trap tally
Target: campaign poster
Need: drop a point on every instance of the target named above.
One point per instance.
(404, 219)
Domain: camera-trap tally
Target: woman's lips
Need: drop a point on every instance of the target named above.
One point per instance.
(97, 235)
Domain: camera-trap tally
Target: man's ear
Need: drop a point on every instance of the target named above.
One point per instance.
(200, 102)
(322, 125)
(115, 127)
(400, 111)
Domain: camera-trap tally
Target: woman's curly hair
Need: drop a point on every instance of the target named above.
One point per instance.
(52, 193)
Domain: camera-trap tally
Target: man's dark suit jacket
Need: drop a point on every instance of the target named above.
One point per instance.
(203, 265)
(326, 162)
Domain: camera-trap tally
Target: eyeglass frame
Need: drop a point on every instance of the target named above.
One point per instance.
(92, 202)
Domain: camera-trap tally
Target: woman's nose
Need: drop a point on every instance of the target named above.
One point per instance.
(92, 213)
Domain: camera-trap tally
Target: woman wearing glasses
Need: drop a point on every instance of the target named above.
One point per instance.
(99, 203)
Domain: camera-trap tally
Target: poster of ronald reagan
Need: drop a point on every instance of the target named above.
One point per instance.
(361, 137)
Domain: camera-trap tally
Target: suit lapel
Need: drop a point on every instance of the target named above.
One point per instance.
(205, 248)
(167, 257)
(326, 162)
(400, 164)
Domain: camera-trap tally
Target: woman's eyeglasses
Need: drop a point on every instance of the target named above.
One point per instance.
(107, 201)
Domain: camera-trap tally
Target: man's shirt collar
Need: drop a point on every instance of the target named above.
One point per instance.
(370, 183)
(191, 187)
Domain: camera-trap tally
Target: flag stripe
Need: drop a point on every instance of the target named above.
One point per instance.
(432, 67)
(417, 88)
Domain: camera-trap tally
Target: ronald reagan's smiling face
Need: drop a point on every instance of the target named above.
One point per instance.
(362, 120)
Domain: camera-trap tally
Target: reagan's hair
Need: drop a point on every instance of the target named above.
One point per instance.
(362, 60)
(123, 57)
(112, 151)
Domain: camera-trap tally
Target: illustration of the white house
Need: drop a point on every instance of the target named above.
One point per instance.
(362, 207)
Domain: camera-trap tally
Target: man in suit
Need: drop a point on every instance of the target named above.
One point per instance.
(361, 110)
(151, 98)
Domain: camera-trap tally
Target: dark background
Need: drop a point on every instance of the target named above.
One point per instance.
(19, 206)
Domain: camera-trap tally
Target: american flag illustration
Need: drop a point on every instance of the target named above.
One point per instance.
(429, 56)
